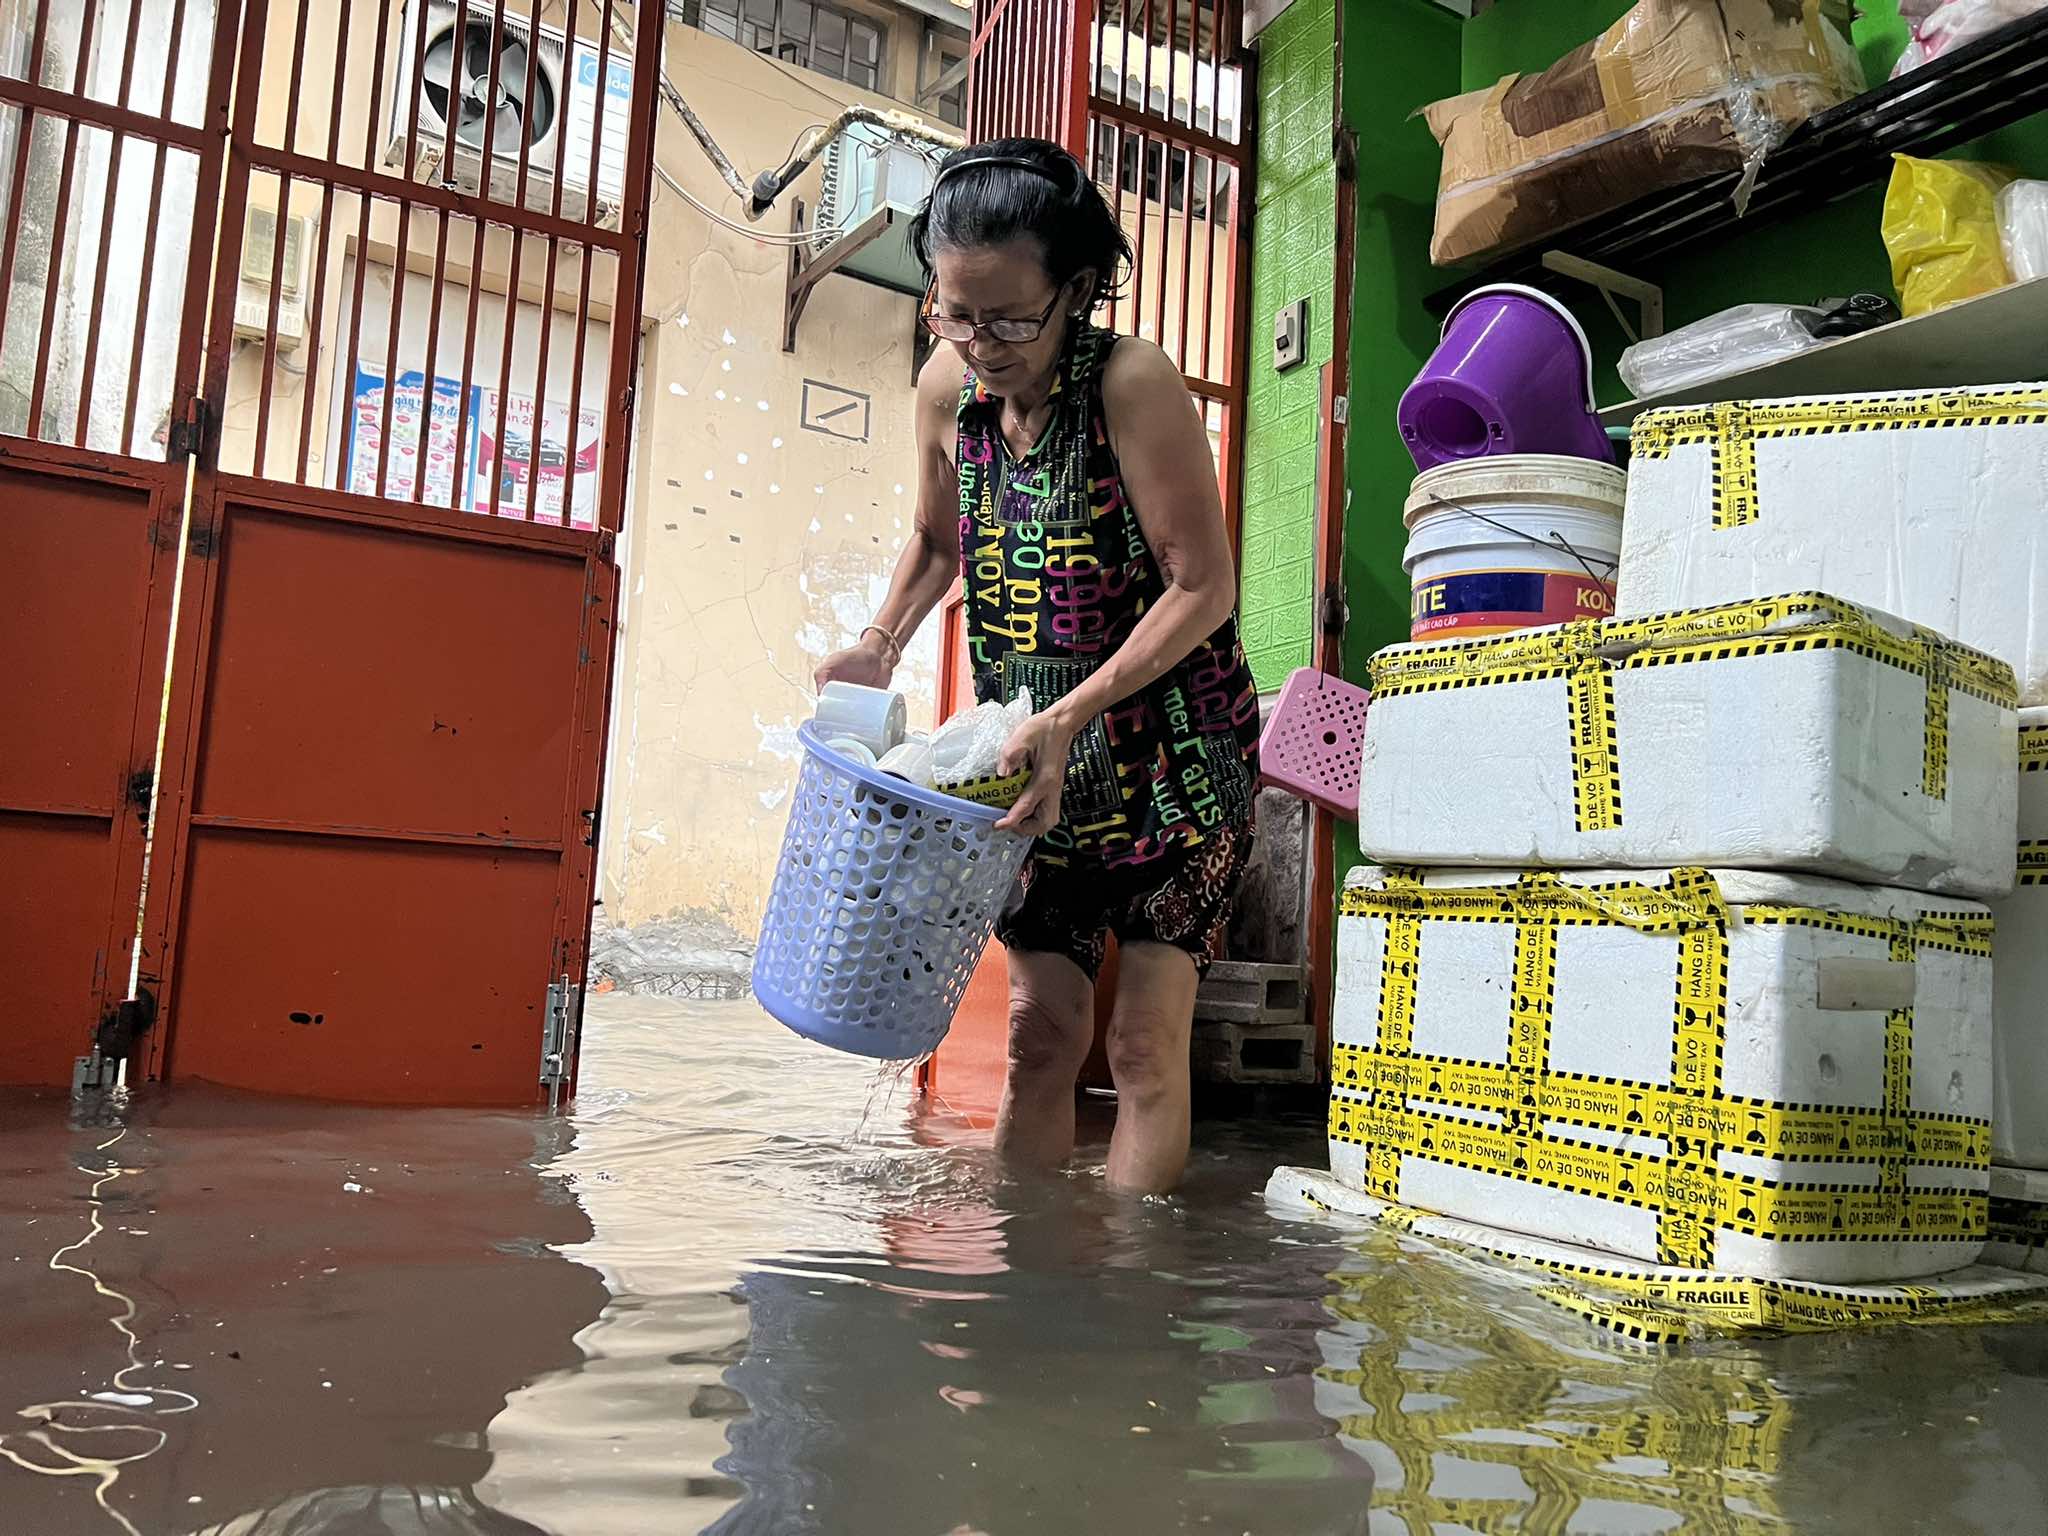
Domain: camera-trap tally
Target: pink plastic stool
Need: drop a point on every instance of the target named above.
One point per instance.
(1312, 740)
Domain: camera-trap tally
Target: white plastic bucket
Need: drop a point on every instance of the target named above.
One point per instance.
(1514, 542)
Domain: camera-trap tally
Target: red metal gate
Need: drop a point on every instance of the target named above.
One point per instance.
(389, 677)
(1153, 96)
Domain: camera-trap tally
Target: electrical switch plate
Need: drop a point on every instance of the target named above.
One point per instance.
(1290, 336)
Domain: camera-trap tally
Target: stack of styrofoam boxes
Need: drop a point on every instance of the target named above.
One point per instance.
(1931, 504)
(2019, 1121)
(1751, 1030)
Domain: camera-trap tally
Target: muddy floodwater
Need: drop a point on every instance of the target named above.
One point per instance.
(746, 1287)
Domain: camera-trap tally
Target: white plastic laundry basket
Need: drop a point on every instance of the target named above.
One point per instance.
(882, 904)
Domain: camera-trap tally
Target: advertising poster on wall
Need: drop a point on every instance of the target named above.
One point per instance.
(526, 468)
(447, 460)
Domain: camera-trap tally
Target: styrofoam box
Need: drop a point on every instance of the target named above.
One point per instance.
(1921, 503)
(2019, 1119)
(1796, 759)
(2019, 1219)
(1805, 1031)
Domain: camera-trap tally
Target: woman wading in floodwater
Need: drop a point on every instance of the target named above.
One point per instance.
(1065, 476)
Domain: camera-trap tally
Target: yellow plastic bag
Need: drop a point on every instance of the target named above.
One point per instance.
(1941, 230)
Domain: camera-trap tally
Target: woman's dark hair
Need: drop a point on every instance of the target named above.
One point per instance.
(1007, 189)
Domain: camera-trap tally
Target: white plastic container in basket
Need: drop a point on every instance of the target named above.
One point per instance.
(882, 904)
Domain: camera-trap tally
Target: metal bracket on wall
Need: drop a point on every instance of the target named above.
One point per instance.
(558, 1038)
(1648, 297)
(807, 271)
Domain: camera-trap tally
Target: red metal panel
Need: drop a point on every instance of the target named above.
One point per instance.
(83, 623)
(385, 707)
(87, 547)
(350, 969)
(398, 709)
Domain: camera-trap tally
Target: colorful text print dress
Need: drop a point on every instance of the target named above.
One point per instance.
(1057, 574)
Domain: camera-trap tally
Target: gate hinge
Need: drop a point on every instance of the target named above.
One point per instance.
(192, 429)
(558, 1038)
(140, 785)
(113, 1043)
(1331, 611)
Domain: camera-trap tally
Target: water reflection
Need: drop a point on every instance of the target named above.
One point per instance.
(750, 1291)
(225, 1315)
(1039, 1359)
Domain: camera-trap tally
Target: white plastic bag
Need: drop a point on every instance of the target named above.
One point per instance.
(911, 761)
(1935, 26)
(1747, 336)
(2023, 228)
(966, 747)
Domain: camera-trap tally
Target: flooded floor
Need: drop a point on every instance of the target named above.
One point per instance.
(745, 1289)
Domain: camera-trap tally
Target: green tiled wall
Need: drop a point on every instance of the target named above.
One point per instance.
(1294, 236)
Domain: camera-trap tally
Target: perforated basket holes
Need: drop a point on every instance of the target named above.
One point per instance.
(1312, 743)
(881, 907)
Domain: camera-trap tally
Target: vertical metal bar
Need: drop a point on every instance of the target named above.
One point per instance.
(540, 368)
(1216, 9)
(53, 276)
(23, 144)
(583, 282)
(1074, 53)
(156, 197)
(458, 65)
(363, 203)
(81, 430)
(430, 375)
(1095, 52)
(526, 104)
(582, 336)
(279, 223)
(505, 330)
(402, 253)
(533, 462)
(314, 311)
(628, 276)
(1186, 309)
(463, 392)
(1144, 167)
(547, 297)
(1172, 21)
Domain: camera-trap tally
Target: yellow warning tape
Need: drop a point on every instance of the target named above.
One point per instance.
(1397, 1103)
(1666, 1308)
(1807, 1133)
(2033, 748)
(2020, 1222)
(1691, 1195)
(1587, 654)
(1732, 429)
(2034, 862)
(1596, 747)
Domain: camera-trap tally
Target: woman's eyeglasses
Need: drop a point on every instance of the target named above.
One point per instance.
(1015, 330)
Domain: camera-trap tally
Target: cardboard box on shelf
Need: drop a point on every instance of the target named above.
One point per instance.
(1672, 92)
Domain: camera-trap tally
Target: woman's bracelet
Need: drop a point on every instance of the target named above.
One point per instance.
(894, 652)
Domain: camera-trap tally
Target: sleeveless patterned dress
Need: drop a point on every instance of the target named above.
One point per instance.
(1057, 573)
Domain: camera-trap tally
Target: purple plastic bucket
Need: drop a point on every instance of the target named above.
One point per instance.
(1513, 374)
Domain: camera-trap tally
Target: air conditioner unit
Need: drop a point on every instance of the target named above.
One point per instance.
(252, 295)
(554, 122)
(867, 168)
